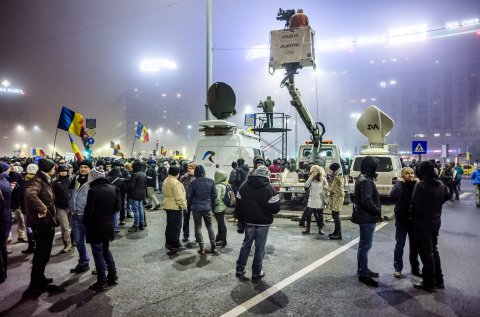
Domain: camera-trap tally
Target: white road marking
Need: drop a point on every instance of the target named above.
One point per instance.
(242, 308)
(465, 195)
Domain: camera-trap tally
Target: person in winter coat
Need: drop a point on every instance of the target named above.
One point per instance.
(103, 201)
(41, 214)
(475, 179)
(337, 195)
(78, 192)
(232, 178)
(459, 176)
(151, 184)
(174, 203)
(402, 192)
(116, 178)
(15, 179)
(367, 213)
(256, 204)
(162, 174)
(31, 172)
(136, 191)
(5, 218)
(201, 196)
(60, 188)
(220, 207)
(186, 179)
(318, 192)
(428, 197)
(447, 176)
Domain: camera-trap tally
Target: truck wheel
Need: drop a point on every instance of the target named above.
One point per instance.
(287, 196)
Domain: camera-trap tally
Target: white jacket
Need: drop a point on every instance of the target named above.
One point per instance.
(318, 193)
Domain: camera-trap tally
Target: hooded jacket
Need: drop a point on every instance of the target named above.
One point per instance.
(102, 202)
(201, 193)
(428, 195)
(220, 185)
(137, 184)
(257, 201)
(367, 199)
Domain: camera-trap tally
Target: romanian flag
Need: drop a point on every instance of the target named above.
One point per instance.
(72, 122)
(37, 152)
(163, 151)
(142, 133)
(116, 149)
(75, 149)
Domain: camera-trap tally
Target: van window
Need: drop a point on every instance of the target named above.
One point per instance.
(324, 152)
(385, 164)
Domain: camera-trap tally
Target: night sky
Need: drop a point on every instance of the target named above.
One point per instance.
(86, 54)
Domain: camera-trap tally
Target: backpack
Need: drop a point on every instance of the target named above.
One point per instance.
(229, 197)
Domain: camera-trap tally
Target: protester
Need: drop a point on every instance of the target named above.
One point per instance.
(402, 193)
(475, 179)
(103, 201)
(76, 205)
(15, 179)
(428, 197)
(162, 174)
(116, 178)
(5, 218)
(232, 178)
(186, 179)
(458, 176)
(335, 201)
(201, 195)
(317, 185)
(447, 176)
(41, 214)
(60, 188)
(31, 172)
(367, 213)
(256, 203)
(220, 207)
(174, 203)
(152, 201)
(136, 191)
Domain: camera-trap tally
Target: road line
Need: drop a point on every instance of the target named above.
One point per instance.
(465, 195)
(242, 308)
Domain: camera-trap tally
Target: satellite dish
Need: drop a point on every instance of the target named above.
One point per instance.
(376, 125)
(221, 100)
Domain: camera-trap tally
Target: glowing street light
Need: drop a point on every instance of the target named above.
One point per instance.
(155, 65)
(20, 128)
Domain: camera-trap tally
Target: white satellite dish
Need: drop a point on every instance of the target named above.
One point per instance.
(376, 125)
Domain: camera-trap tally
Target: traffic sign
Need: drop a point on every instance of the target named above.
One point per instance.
(91, 133)
(249, 120)
(419, 147)
(90, 141)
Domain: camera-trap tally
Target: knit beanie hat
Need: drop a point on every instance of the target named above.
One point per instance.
(95, 173)
(334, 167)
(45, 165)
(262, 171)
(32, 168)
(62, 168)
(405, 169)
(4, 166)
(87, 163)
(192, 165)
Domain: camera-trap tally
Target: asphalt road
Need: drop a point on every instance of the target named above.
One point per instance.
(305, 275)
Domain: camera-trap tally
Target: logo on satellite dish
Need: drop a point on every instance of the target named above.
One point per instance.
(210, 154)
(372, 127)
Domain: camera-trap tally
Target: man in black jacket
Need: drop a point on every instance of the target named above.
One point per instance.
(60, 188)
(151, 184)
(257, 201)
(366, 214)
(103, 200)
(117, 178)
(428, 197)
(136, 192)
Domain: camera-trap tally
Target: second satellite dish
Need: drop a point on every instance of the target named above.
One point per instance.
(221, 100)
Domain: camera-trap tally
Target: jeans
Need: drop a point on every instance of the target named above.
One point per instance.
(174, 225)
(186, 224)
(62, 216)
(78, 229)
(402, 229)
(427, 238)
(116, 221)
(452, 188)
(269, 116)
(152, 199)
(102, 255)
(44, 239)
(366, 238)
(197, 219)
(459, 184)
(259, 234)
(138, 212)
(222, 228)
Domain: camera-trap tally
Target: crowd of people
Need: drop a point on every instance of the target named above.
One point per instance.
(91, 200)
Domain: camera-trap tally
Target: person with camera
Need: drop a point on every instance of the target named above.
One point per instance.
(256, 204)
(318, 192)
(267, 107)
(299, 19)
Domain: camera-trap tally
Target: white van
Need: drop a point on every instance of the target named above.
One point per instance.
(221, 143)
(389, 170)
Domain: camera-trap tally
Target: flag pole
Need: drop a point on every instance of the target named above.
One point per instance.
(131, 152)
(54, 142)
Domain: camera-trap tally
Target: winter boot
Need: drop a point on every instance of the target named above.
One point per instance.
(201, 251)
(214, 249)
(31, 243)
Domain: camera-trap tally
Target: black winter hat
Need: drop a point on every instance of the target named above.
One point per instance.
(87, 163)
(62, 168)
(426, 168)
(334, 167)
(45, 165)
